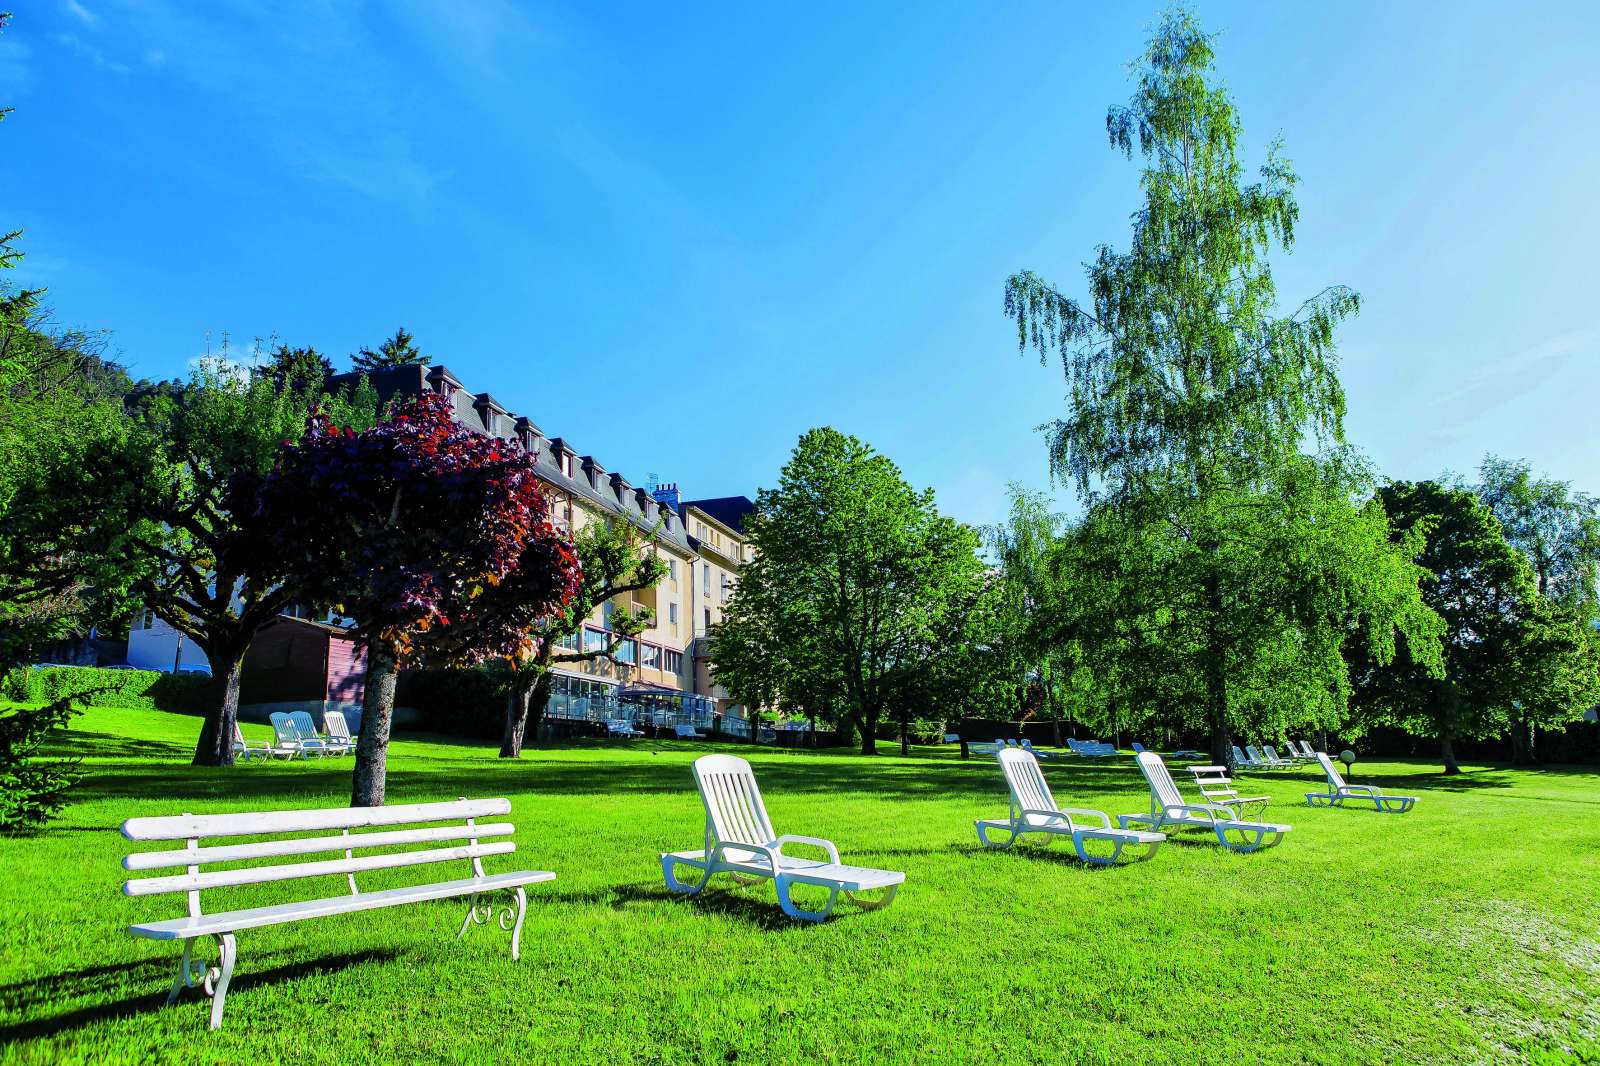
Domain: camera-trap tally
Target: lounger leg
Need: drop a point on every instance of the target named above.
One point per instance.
(1097, 860)
(783, 885)
(983, 836)
(669, 875)
(217, 979)
(874, 904)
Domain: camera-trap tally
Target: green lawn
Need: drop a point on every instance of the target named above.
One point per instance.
(1463, 930)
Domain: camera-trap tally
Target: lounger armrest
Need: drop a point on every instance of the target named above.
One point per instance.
(816, 842)
(1359, 790)
(770, 852)
(1025, 813)
(1195, 811)
(1100, 816)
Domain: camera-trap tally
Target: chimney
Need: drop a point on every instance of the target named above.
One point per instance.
(668, 494)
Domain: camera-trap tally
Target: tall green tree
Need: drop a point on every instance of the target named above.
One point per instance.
(1558, 530)
(398, 350)
(297, 368)
(1190, 400)
(860, 570)
(1030, 651)
(1507, 650)
(615, 564)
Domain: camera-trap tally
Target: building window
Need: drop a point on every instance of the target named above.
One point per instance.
(672, 570)
(593, 640)
(650, 656)
(626, 651)
(672, 615)
(566, 463)
(705, 579)
(708, 619)
(672, 661)
(568, 642)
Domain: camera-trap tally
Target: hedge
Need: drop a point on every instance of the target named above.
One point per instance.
(98, 687)
(463, 702)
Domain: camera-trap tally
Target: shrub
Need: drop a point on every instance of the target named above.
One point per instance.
(32, 790)
(98, 687)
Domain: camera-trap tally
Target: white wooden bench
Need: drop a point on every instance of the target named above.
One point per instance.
(308, 832)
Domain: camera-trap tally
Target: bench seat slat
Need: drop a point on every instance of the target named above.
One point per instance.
(231, 921)
(252, 875)
(186, 826)
(266, 849)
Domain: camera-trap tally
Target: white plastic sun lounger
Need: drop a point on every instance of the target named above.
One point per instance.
(986, 748)
(1272, 756)
(1261, 762)
(740, 841)
(1034, 810)
(287, 735)
(245, 751)
(1027, 746)
(1215, 785)
(1338, 792)
(339, 731)
(1167, 808)
(309, 735)
(1307, 752)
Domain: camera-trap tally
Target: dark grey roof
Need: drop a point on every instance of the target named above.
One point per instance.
(611, 493)
(729, 510)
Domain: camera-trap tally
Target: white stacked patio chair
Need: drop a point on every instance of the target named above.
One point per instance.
(740, 840)
(1034, 810)
(290, 829)
(308, 734)
(1307, 752)
(1267, 761)
(1272, 756)
(339, 731)
(1338, 792)
(286, 735)
(1168, 808)
(1214, 784)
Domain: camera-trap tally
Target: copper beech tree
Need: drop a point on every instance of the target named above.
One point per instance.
(404, 528)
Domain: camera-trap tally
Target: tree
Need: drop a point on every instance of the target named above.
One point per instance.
(613, 565)
(408, 528)
(855, 576)
(299, 369)
(398, 350)
(1031, 653)
(1559, 532)
(1242, 559)
(1506, 648)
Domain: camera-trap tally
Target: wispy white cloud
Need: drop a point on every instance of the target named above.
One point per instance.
(81, 13)
(1496, 383)
(92, 52)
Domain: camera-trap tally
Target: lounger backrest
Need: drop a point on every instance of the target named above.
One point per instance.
(283, 728)
(1026, 781)
(1272, 753)
(302, 722)
(1137, 747)
(1254, 753)
(733, 801)
(1238, 756)
(1328, 768)
(337, 726)
(1163, 790)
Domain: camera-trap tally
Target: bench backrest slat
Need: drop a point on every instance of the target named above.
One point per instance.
(254, 875)
(186, 826)
(268, 849)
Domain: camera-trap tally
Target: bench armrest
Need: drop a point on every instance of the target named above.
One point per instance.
(816, 842)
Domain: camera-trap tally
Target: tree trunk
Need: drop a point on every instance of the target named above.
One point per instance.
(215, 747)
(869, 733)
(812, 732)
(1447, 751)
(905, 736)
(1522, 753)
(377, 711)
(516, 716)
(1216, 679)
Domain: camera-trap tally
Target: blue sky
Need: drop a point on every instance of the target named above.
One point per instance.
(680, 238)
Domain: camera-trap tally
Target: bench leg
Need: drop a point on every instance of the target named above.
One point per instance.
(509, 917)
(213, 979)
